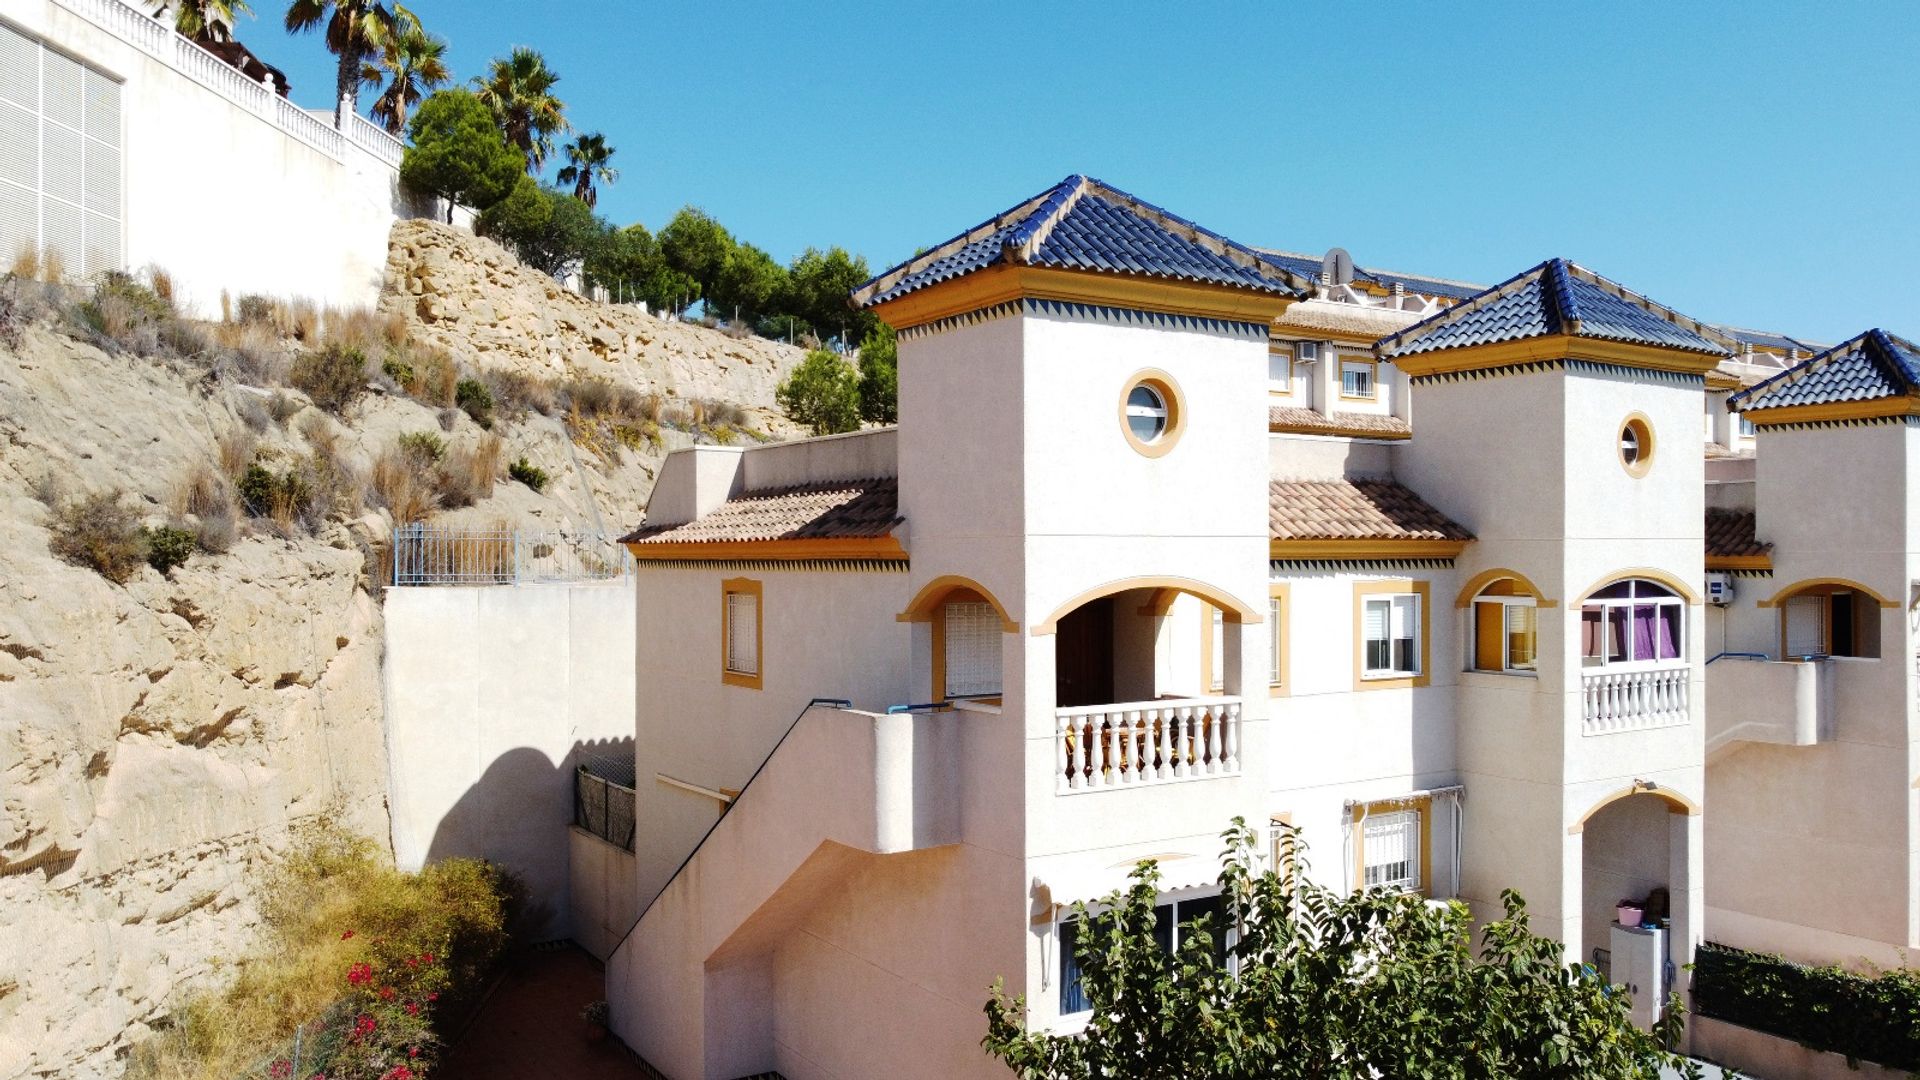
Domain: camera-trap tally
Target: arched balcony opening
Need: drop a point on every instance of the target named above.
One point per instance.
(1635, 893)
(1147, 677)
(1635, 671)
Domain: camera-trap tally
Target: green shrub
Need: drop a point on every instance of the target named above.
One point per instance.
(399, 371)
(333, 375)
(423, 447)
(823, 394)
(528, 473)
(168, 547)
(1866, 1018)
(255, 488)
(371, 966)
(254, 308)
(474, 399)
(102, 533)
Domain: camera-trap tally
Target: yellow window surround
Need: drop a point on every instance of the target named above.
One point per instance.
(1280, 595)
(1424, 805)
(729, 588)
(1373, 378)
(1392, 587)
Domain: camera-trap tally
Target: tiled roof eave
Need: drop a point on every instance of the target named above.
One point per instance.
(1362, 548)
(795, 549)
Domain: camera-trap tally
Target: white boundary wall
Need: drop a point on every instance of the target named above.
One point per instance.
(225, 184)
(489, 690)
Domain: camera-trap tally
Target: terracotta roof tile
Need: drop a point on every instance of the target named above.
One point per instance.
(837, 510)
(1722, 452)
(1730, 534)
(1289, 418)
(1354, 510)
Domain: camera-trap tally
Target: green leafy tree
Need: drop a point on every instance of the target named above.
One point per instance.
(820, 282)
(414, 63)
(697, 246)
(205, 20)
(1325, 986)
(749, 281)
(629, 265)
(519, 90)
(822, 394)
(356, 32)
(880, 376)
(458, 153)
(587, 158)
(551, 231)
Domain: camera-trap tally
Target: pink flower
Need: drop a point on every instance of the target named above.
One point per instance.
(363, 1025)
(413, 1008)
(280, 1069)
(398, 1072)
(359, 974)
(433, 995)
(345, 934)
(387, 993)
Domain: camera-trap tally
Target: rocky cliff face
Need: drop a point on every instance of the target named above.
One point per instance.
(160, 739)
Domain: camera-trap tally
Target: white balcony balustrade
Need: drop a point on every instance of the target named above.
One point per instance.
(1614, 701)
(1099, 747)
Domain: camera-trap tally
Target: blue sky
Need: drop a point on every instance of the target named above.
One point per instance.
(1750, 163)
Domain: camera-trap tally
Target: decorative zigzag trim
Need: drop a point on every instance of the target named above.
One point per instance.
(830, 566)
(1590, 367)
(1280, 567)
(1092, 313)
(1861, 421)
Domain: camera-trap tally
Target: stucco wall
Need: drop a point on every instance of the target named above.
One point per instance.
(219, 195)
(490, 691)
(601, 905)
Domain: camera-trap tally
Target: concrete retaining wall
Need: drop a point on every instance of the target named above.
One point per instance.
(1767, 1057)
(601, 904)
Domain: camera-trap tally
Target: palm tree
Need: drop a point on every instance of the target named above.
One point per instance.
(205, 20)
(414, 64)
(356, 31)
(519, 90)
(587, 158)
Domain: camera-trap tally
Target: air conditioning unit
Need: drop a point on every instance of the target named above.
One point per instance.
(1306, 352)
(1719, 589)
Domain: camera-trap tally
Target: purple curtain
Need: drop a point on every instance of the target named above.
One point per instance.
(1669, 640)
(1617, 635)
(1643, 624)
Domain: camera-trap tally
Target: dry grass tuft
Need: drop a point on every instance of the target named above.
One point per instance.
(237, 450)
(205, 498)
(102, 533)
(53, 269)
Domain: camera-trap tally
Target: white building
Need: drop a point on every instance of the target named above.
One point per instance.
(1445, 611)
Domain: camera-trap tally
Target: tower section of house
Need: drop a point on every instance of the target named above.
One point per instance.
(1811, 755)
(1559, 421)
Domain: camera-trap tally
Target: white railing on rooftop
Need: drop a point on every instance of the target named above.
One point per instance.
(1099, 747)
(1634, 700)
(375, 140)
(157, 39)
(503, 555)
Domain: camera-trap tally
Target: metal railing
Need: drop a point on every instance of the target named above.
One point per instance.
(603, 798)
(503, 555)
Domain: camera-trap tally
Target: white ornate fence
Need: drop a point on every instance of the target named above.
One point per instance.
(1146, 742)
(1634, 700)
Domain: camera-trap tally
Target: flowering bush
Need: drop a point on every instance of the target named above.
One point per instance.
(360, 967)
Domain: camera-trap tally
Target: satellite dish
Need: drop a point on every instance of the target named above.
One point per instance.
(1336, 268)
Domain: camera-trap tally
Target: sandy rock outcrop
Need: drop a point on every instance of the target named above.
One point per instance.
(470, 296)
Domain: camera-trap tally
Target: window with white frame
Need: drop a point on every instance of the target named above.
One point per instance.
(1280, 368)
(1390, 634)
(1745, 424)
(742, 632)
(1275, 609)
(1216, 656)
(1390, 843)
(1505, 630)
(1633, 623)
(1173, 920)
(971, 649)
(1356, 378)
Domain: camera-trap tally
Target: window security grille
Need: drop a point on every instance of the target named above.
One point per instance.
(972, 649)
(1391, 844)
(743, 633)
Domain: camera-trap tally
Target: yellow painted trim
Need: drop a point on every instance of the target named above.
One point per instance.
(1676, 804)
(1159, 603)
(999, 284)
(1681, 588)
(884, 548)
(1478, 583)
(1904, 405)
(1739, 562)
(934, 593)
(747, 587)
(1236, 612)
(1827, 583)
(1642, 426)
(1366, 549)
(1176, 403)
(1720, 380)
(1396, 586)
(1373, 377)
(1284, 594)
(1286, 350)
(937, 621)
(1555, 347)
(1361, 813)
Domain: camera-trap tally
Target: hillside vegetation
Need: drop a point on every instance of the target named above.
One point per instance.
(192, 525)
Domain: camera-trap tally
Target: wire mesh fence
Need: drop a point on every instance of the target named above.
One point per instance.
(603, 798)
(503, 555)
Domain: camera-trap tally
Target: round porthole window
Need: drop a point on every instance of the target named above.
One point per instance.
(1150, 413)
(1636, 445)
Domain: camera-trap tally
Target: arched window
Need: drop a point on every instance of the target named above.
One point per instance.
(1830, 620)
(1505, 629)
(1633, 623)
(967, 646)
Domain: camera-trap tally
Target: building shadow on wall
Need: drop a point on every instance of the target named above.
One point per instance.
(517, 816)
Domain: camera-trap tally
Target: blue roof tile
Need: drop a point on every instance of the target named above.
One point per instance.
(1083, 224)
(1874, 365)
(1556, 297)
